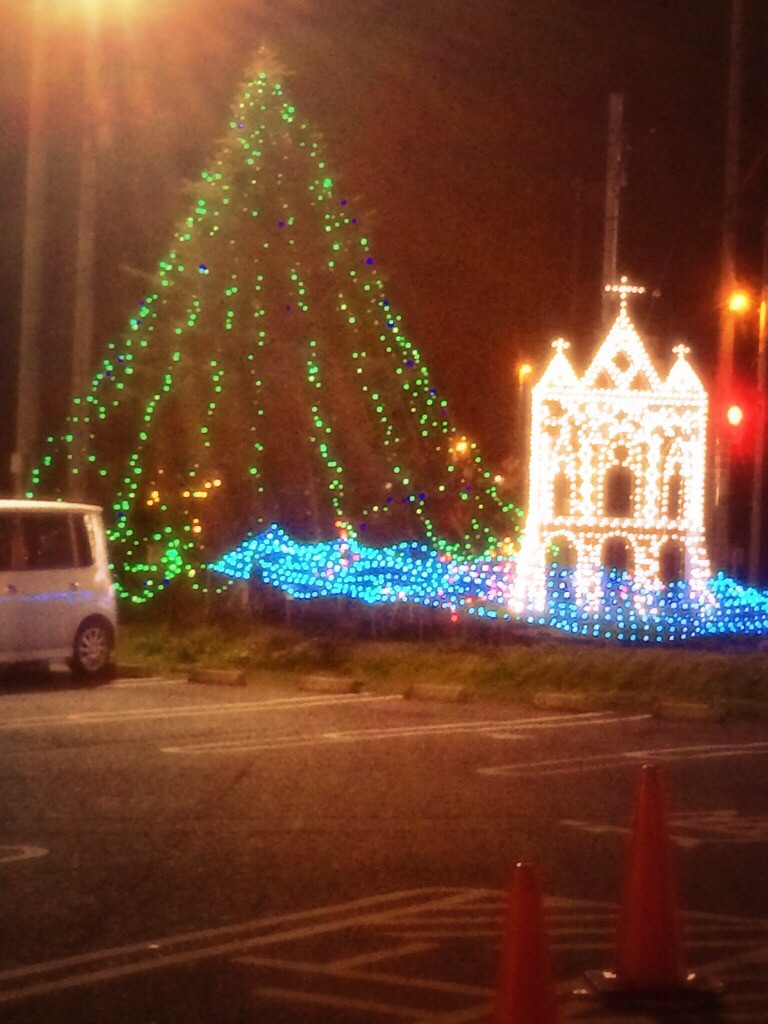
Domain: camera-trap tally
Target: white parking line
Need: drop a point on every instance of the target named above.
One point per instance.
(496, 729)
(575, 926)
(512, 730)
(594, 762)
(120, 962)
(10, 853)
(292, 995)
(365, 959)
(128, 683)
(470, 1016)
(165, 712)
(690, 829)
(285, 958)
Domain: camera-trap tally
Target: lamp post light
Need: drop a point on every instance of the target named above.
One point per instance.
(739, 301)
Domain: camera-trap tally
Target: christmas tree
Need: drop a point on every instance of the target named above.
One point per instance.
(267, 379)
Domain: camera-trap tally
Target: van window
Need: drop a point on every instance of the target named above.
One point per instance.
(83, 549)
(48, 541)
(7, 525)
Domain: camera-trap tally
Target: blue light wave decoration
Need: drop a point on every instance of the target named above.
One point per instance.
(418, 574)
(344, 567)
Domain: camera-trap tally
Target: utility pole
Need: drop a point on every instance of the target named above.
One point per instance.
(731, 188)
(28, 380)
(82, 326)
(614, 182)
(728, 281)
(756, 524)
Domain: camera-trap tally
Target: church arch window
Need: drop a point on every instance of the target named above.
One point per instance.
(675, 494)
(672, 562)
(619, 492)
(561, 494)
(617, 554)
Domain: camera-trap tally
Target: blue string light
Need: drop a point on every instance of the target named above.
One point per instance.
(419, 574)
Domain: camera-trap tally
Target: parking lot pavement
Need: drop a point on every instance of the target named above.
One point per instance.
(245, 855)
(416, 956)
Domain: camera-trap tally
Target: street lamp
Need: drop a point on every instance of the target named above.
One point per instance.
(739, 301)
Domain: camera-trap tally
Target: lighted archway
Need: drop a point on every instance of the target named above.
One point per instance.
(561, 552)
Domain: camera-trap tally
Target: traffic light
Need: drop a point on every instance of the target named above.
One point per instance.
(736, 425)
(734, 414)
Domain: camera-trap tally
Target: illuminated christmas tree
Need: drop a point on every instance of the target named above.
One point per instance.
(267, 379)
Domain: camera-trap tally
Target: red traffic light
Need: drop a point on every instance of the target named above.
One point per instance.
(736, 418)
(734, 414)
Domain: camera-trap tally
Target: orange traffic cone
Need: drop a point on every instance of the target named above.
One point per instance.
(525, 993)
(650, 961)
(649, 951)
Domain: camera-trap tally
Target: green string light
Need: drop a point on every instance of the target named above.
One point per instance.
(269, 275)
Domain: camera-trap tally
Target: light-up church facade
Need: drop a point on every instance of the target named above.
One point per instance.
(617, 471)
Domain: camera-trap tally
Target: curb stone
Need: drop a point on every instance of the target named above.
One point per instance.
(556, 700)
(330, 684)
(689, 712)
(218, 677)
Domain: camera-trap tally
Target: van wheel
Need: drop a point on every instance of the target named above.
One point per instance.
(92, 649)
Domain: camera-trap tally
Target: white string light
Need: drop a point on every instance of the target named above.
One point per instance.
(617, 466)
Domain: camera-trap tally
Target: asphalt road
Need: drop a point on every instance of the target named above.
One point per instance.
(174, 852)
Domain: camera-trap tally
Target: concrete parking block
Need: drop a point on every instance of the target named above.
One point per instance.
(685, 712)
(330, 684)
(555, 700)
(218, 677)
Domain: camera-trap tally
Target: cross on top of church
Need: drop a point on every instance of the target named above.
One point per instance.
(560, 345)
(681, 351)
(623, 289)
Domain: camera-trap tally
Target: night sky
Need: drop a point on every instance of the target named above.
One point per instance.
(470, 138)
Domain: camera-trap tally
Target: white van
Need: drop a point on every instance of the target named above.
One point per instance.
(56, 594)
